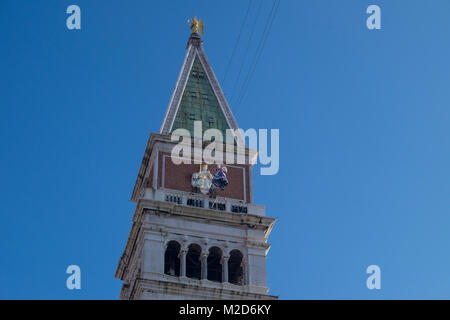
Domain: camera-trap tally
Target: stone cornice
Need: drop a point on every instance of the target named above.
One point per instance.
(196, 291)
(252, 221)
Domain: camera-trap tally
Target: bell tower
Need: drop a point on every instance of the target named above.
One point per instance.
(187, 242)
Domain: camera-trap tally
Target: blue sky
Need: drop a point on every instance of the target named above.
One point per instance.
(364, 138)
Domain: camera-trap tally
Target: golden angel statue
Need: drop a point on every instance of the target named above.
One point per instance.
(197, 25)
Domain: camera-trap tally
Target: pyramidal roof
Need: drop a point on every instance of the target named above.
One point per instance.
(197, 95)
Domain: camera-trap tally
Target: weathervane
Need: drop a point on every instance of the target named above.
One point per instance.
(197, 25)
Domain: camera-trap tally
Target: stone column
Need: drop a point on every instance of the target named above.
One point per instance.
(182, 256)
(244, 271)
(227, 205)
(153, 253)
(204, 259)
(225, 268)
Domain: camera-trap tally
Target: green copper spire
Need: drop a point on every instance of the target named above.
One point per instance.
(198, 95)
(199, 103)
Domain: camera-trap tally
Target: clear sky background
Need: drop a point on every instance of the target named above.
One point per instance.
(364, 138)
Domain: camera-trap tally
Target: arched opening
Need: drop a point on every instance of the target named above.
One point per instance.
(214, 264)
(171, 259)
(193, 263)
(235, 269)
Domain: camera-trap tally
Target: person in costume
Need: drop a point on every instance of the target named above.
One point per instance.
(220, 178)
